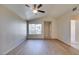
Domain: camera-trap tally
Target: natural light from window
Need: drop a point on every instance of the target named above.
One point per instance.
(35, 28)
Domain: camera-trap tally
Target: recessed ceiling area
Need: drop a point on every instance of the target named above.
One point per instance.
(54, 10)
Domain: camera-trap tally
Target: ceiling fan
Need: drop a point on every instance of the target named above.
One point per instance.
(36, 8)
(74, 9)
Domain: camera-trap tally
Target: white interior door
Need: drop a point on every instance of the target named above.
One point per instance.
(73, 31)
(47, 30)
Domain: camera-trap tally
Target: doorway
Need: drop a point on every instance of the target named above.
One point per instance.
(73, 22)
(47, 30)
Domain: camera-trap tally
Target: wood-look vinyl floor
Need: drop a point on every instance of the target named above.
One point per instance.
(43, 47)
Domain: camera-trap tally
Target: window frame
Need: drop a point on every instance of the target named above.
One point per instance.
(34, 31)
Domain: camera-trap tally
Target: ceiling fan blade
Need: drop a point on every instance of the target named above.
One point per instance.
(34, 6)
(27, 5)
(40, 5)
(41, 11)
(74, 9)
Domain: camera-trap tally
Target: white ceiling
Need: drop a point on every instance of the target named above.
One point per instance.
(54, 10)
(19, 9)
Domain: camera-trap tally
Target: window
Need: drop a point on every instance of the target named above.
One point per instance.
(35, 28)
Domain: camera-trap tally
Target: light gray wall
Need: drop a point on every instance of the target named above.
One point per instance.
(64, 26)
(77, 31)
(12, 30)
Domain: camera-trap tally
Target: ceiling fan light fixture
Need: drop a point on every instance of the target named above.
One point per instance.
(36, 8)
(35, 11)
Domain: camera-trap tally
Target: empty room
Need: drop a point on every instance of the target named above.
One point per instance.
(39, 29)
